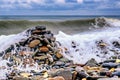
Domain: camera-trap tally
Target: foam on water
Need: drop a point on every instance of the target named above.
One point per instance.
(86, 47)
(86, 44)
(79, 48)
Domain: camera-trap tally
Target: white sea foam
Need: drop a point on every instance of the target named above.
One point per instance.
(86, 47)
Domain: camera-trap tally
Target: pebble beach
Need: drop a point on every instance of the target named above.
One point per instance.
(39, 54)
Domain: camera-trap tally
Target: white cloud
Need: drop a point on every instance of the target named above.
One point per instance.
(60, 1)
(21, 3)
(80, 1)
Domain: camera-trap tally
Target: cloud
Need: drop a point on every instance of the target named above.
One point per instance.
(60, 1)
(20, 3)
(80, 1)
(59, 6)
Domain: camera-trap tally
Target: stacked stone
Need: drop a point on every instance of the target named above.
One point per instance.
(43, 43)
(40, 47)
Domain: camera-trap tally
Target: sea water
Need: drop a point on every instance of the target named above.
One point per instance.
(52, 17)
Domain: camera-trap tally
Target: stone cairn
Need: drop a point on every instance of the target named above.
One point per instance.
(39, 57)
(35, 57)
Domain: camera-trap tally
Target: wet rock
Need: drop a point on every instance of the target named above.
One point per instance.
(59, 78)
(43, 57)
(116, 44)
(110, 61)
(34, 43)
(25, 75)
(1, 54)
(106, 73)
(44, 49)
(59, 63)
(73, 44)
(109, 65)
(38, 78)
(40, 27)
(50, 58)
(101, 44)
(80, 75)
(65, 73)
(56, 78)
(9, 64)
(117, 73)
(59, 55)
(92, 63)
(20, 78)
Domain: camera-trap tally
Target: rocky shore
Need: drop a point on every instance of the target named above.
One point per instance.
(39, 57)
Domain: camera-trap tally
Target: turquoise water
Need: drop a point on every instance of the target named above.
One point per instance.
(51, 17)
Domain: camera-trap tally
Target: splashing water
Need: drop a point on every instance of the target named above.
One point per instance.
(82, 47)
(79, 48)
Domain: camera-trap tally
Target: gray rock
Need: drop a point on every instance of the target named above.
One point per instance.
(92, 63)
(65, 73)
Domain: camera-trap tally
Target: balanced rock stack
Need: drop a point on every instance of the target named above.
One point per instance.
(33, 56)
(44, 46)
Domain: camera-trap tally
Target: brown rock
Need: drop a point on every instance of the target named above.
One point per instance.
(50, 79)
(50, 58)
(36, 31)
(41, 57)
(34, 43)
(25, 75)
(59, 78)
(56, 78)
(44, 49)
(59, 55)
(20, 78)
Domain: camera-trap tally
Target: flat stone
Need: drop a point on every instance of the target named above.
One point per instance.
(37, 78)
(43, 49)
(65, 73)
(41, 57)
(109, 65)
(25, 75)
(34, 43)
(40, 27)
(20, 78)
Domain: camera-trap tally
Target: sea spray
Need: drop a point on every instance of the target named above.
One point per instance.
(86, 43)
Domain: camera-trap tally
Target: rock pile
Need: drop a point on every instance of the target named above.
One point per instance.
(39, 58)
(35, 56)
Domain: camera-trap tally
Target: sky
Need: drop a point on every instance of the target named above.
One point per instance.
(59, 7)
